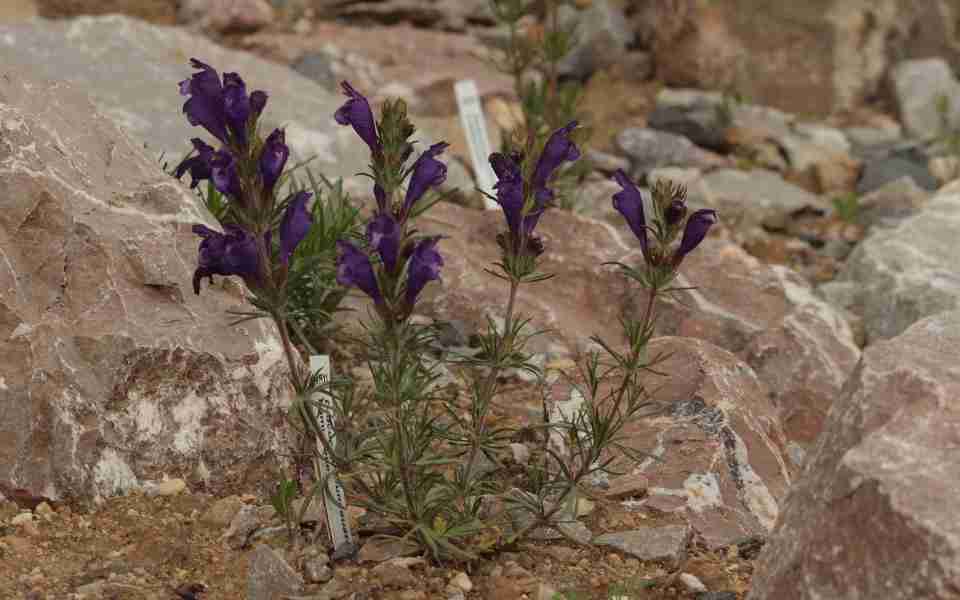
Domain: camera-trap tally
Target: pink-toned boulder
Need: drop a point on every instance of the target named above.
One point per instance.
(799, 346)
(874, 514)
(723, 461)
(111, 369)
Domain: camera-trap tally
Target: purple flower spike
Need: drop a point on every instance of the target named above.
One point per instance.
(354, 269)
(630, 204)
(558, 149)
(236, 106)
(206, 104)
(224, 174)
(230, 253)
(295, 224)
(356, 113)
(199, 165)
(509, 188)
(383, 233)
(424, 267)
(697, 227)
(427, 172)
(273, 158)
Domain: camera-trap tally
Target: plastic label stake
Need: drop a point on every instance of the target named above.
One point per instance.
(334, 500)
(475, 127)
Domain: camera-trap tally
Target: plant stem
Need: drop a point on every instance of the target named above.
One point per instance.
(489, 386)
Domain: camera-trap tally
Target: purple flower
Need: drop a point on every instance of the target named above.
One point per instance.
(509, 189)
(630, 204)
(675, 212)
(354, 269)
(356, 113)
(230, 253)
(236, 106)
(273, 157)
(223, 109)
(427, 172)
(258, 100)
(558, 149)
(199, 165)
(383, 234)
(424, 267)
(295, 224)
(205, 106)
(697, 227)
(381, 197)
(225, 176)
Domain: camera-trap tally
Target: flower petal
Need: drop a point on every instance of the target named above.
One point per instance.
(424, 267)
(273, 157)
(629, 202)
(558, 149)
(427, 172)
(383, 234)
(356, 113)
(295, 224)
(354, 269)
(698, 225)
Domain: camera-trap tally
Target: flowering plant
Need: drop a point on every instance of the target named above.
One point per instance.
(532, 58)
(424, 463)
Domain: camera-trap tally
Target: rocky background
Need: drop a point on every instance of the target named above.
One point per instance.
(813, 448)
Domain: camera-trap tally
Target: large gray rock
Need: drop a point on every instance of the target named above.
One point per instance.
(648, 149)
(749, 199)
(890, 204)
(270, 576)
(928, 97)
(111, 369)
(602, 37)
(131, 70)
(875, 513)
(908, 272)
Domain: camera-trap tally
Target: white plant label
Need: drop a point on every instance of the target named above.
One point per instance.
(334, 500)
(475, 127)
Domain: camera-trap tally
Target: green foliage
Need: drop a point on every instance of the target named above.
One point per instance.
(847, 206)
(282, 500)
(313, 294)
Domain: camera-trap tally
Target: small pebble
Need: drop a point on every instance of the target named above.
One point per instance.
(462, 581)
(691, 582)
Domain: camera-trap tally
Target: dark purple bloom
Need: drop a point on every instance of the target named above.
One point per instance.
(258, 100)
(381, 197)
(356, 113)
(199, 165)
(223, 109)
(675, 212)
(383, 234)
(427, 172)
(206, 104)
(230, 253)
(224, 174)
(354, 269)
(630, 204)
(273, 157)
(558, 149)
(509, 189)
(697, 227)
(424, 267)
(295, 224)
